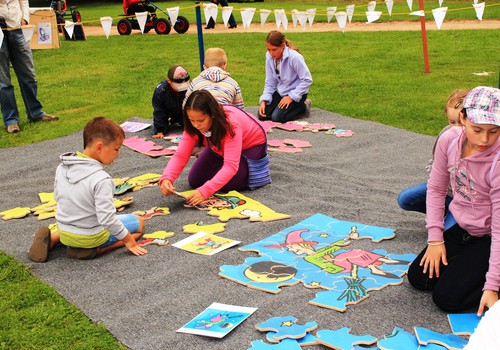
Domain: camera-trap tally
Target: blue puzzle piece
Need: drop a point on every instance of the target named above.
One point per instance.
(450, 341)
(309, 339)
(285, 344)
(336, 300)
(342, 339)
(463, 324)
(399, 339)
(282, 327)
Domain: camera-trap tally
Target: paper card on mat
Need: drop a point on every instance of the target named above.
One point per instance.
(217, 320)
(205, 243)
(134, 126)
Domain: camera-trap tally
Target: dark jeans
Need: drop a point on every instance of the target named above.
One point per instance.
(459, 286)
(294, 111)
(209, 163)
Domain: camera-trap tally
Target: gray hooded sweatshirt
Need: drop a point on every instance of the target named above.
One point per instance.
(84, 193)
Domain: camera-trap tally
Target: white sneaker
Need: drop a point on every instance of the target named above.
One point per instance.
(308, 104)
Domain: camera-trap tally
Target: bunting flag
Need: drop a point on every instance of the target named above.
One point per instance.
(479, 10)
(27, 32)
(420, 13)
(69, 28)
(440, 3)
(247, 16)
(371, 6)
(341, 20)
(330, 12)
(350, 11)
(439, 15)
(311, 13)
(475, 2)
(211, 11)
(173, 13)
(410, 3)
(106, 23)
(389, 4)
(280, 17)
(264, 14)
(294, 17)
(226, 14)
(302, 18)
(372, 16)
(141, 19)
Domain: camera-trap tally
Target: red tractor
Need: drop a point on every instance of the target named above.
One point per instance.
(60, 7)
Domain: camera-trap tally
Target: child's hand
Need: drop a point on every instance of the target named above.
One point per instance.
(489, 298)
(167, 187)
(137, 249)
(195, 198)
(434, 255)
(158, 135)
(262, 109)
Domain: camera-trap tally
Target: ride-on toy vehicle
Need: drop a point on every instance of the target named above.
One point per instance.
(60, 7)
(161, 25)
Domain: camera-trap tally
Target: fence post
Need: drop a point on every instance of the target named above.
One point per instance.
(199, 27)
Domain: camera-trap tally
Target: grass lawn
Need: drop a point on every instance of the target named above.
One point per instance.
(375, 76)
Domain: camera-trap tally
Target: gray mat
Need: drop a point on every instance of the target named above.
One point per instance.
(144, 300)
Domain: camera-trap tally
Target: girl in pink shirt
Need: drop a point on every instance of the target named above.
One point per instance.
(232, 137)
(461, 265)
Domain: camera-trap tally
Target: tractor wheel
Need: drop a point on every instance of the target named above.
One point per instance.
(76, 17)
(60, 23)
(162, 26)
(124, 27)
(181, 25)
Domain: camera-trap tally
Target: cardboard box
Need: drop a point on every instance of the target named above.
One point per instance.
(45, 35)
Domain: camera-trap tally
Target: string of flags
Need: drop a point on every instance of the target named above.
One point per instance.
(280, 15)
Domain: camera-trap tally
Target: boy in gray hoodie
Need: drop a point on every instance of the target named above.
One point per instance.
(87, 222)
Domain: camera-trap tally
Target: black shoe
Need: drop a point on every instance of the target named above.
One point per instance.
(233, 26)
(207, 27)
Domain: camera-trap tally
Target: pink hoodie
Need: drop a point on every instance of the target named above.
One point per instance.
(476, 195)
(247, 133)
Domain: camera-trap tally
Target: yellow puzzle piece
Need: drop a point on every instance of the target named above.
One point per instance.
(15, 213)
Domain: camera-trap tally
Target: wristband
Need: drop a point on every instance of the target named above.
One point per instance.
(435, 243)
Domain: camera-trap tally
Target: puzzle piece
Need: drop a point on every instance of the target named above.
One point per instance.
(15, 213)
(268, 125)
(48, 207)
(286, 344)
(154, 211)
(463, 324)
(343, 339)
(234, 205)
(156, 241)
(399, 339)
(285, 149)
(282, 327)
(136, 183)
(158, 235)
(292, 142)
(120, 203)
(148, 147)
(201, 226)
(175, 138)
(449, 341)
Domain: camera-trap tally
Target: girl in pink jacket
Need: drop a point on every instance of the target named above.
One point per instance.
(461, 265)
(235, 156)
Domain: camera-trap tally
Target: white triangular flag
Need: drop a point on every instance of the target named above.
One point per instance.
(479, 10)
(350, 11)
(69, 27)
(330, 12)
(173, 13)
(372, 16)
(294, 17)
(247, 16)
(389, 4)
(226, 14)
(410, 3)
(1, 37)
(141, 19)
(341, 20)
(106, 23)
(277, 16)
(211, 11)
(420, 13)
(311, 13)
(27, 32)
(302, 18)
(284, 20)
(440, 3)
(371, 5)
(263, 16)
(439, 15)
(475, 2)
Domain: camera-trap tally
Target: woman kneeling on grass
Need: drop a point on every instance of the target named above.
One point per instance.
(461, 265)
(235, 156)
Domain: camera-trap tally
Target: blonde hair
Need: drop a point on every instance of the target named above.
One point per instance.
(456, 99)
(215, 57)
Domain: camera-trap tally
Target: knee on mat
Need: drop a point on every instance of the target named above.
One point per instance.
(447, 301)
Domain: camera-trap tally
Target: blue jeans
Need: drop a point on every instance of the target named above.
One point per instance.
(16, 50)
(282, 115)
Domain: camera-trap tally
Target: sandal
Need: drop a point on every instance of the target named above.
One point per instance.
(81, 253)
(39, 251)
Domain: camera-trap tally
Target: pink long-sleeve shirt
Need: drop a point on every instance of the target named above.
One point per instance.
(475, 181)
(247, 133)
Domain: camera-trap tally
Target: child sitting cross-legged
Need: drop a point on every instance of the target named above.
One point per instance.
(86, 217)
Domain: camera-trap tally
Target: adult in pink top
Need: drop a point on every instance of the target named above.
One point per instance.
(461, 265)
(231, 136)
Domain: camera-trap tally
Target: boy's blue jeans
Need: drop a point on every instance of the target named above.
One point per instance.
(14, 49)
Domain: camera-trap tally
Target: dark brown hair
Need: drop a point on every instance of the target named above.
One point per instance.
(102, 129)
(204, 102)
(277, 38)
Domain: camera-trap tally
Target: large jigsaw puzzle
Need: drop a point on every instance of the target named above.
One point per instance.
(315, 252)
